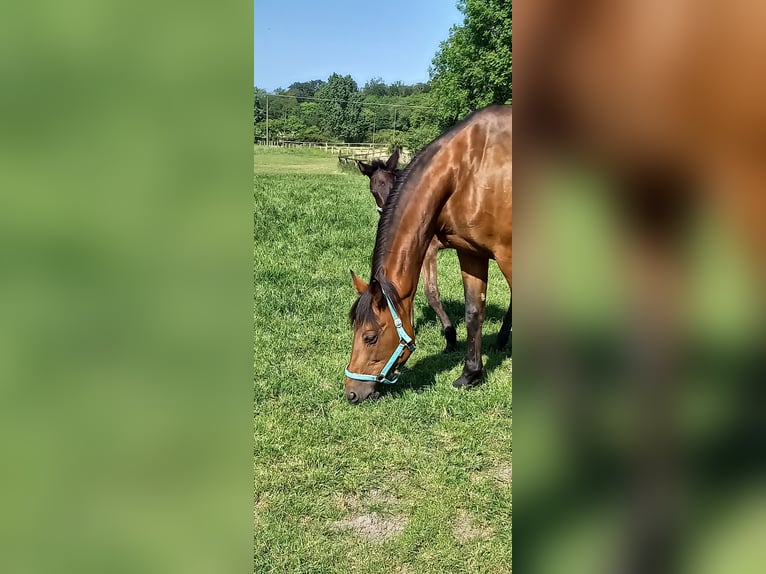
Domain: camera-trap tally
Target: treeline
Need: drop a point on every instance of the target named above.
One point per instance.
(471, 69)
(336, 109)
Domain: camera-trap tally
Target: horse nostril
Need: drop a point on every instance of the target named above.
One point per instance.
(351, 396)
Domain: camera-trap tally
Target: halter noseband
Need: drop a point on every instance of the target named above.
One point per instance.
(405, 342)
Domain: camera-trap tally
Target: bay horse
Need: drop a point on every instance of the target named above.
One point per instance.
(382, 175)
(459, 189)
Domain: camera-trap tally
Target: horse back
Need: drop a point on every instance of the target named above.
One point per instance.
(477, 217)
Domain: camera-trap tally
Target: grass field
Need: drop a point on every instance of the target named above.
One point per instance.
(418, 481)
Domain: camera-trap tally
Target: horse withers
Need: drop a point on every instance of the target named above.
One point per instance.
(459, 189)
(382, 176)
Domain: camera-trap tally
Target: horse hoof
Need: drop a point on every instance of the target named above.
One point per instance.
(467, 381)
(451, 336)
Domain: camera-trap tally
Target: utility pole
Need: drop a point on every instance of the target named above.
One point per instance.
(395, 109)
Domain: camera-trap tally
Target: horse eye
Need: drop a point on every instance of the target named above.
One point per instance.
(370, 338)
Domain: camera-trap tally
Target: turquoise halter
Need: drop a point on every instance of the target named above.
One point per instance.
(405, 342)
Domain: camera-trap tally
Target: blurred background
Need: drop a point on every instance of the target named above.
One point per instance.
(639, 264)
(125, 287)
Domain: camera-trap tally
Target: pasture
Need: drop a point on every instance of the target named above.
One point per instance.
(418, 481)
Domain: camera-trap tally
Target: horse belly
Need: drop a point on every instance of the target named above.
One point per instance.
(480, 227)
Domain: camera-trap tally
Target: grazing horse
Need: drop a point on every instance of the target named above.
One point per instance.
(458, 188)
(382, 176)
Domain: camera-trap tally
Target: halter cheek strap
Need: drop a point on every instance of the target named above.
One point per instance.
(405, 342)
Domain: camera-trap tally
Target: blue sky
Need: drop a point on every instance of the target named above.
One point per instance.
(301, 40)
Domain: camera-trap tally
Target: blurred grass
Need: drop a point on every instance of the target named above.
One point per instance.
(125, 291)
(426, 456)
(588, 416)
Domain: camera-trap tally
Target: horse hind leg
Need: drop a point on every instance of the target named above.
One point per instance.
(474, 271)
(433, 296)
(505, 330)
(504, 335)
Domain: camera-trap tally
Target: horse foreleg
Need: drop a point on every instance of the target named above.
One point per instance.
(433, 296)
(474, 271)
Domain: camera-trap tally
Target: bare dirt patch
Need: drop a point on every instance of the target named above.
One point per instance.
(465, 530)
(373, 527)
(259, 505)
(376, 497)
(503, 474)
(382, 497)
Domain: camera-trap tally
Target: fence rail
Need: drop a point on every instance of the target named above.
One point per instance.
(368, 157)
(333, 147)
(348, 153)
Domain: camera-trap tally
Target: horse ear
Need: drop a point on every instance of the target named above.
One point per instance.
(393, 161)
(364, 168)
(359, 284)
(376, 292)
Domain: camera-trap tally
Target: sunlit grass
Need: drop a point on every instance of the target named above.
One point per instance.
(274, 160)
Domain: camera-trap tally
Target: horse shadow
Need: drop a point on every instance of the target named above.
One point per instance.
(456, 312)
(422, 375)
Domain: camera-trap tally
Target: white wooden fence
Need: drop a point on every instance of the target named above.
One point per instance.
(331, 147)
(348, 153)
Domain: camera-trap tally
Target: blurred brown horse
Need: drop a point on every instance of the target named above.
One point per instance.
(668, 99)
(457, 188)
(628, 86)
(382, 176)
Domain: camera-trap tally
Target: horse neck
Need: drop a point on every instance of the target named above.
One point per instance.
(418, 209)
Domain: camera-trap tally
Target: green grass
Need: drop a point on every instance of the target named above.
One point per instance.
(429, 462)
(271, 161)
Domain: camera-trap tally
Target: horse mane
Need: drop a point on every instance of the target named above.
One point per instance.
(384, 235)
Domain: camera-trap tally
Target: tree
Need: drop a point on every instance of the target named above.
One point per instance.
(418, 138)
(474, 66)
(343, 112)
(423, 121)
(396, 89)
(309, 112)
(259, 105)
(282, 104)
(313, 134)
(375, 87)
(303, 90)
(286, 128)
(340, 107)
